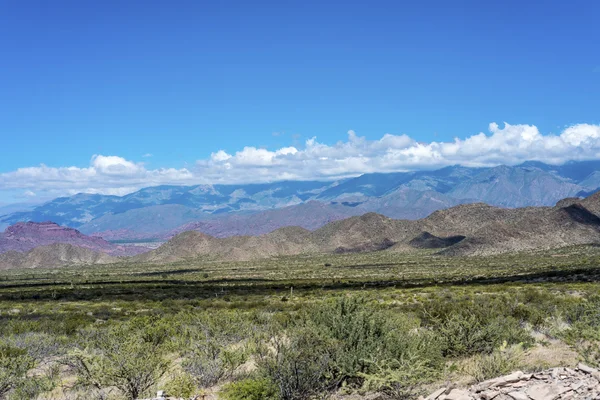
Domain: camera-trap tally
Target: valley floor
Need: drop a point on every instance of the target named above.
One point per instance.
(334, 326)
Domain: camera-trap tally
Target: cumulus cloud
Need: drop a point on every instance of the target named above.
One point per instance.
(509, 144)
(105, 174)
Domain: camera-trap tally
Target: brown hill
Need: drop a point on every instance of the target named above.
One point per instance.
(468, 229)
(310, 215)
(592, 203)
(54, 255)
(25, 236)
(544, 229)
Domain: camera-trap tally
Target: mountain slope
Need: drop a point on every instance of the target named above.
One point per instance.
(469, 229)
(143, 222)
(515, 187)
(54, 255)
(25, 236)
(310, 215)
(153, 212)
(546, 228)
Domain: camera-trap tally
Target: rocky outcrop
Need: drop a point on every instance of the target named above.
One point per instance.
(26, 236)
(553, 384)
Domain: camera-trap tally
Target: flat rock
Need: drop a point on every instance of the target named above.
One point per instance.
(586, 369)
(459, 394)
(546, 391)
(489, 395)
(518, 395)
(436, 394)
(514, 377)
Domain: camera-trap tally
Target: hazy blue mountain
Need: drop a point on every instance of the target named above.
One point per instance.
(408, 195)
(145, 220)
(516, 187)
(379, 184)
(80, 209)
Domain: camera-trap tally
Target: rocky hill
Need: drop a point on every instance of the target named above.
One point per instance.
(470, 229)
(25, 236)
(54, 255)
(463, 230)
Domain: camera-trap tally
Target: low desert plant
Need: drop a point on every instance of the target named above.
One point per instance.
(181, 386)
(501, 361)
(14, 365)
(249, 389)
(126, 356)
(299, 365)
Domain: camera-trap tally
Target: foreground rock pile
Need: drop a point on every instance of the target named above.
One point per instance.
(557, 383)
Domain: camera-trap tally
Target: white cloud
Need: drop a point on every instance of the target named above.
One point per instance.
(113, 165)
(509, 144)
(106, 174)
(148, 155)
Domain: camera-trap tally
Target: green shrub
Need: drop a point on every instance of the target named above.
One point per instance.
(299, 365)
(471, 326)
(213, 349)
(14, 364)
(181, 386)
(249, 389)
(399, 378)
(501, 361)
(357, 330)
(128, 356)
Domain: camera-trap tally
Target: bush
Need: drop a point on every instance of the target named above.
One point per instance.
(366, 340)
(500, 362)
(127, 356)
(249, 389)
(213, 347)
(181, 386)
(469, 327)
(357, 330)
(14, 364)
(400, 378)
(300, 366)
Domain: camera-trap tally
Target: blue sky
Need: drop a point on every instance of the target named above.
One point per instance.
(184, 80)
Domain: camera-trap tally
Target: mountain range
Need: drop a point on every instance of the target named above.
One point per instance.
(159, 213)
(466, 230)
(474, 229)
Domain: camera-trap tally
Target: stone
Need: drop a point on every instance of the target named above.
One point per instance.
(518, 395)
(489, 395)
(514, 377)
(436, 394)
(459, 394)
(586, 369)
(519, 384)
(490, 383)
(577, 385)
(545, 391)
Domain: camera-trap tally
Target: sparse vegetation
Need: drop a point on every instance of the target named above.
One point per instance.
(380, 322)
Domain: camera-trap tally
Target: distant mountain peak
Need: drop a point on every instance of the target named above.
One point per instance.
(25, 236)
